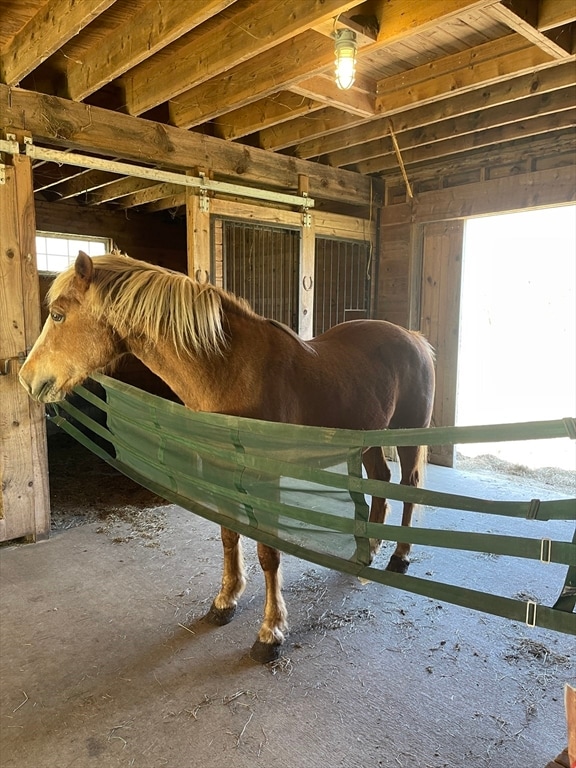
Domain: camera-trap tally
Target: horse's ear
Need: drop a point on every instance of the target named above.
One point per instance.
(84, 270)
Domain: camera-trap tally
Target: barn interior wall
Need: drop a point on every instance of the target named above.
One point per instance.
(159, 239)
(421, 244)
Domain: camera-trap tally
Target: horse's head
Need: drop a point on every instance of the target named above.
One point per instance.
(76, 340)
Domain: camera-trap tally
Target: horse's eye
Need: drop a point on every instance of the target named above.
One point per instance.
(57, 317)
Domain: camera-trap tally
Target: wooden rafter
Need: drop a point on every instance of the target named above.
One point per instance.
(451, 146)
(256, 28)
(264, 114)
(53, 25)
(475, 122)
(504, 93)
(131, 43)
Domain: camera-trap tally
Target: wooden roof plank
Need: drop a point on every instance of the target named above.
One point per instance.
(529, 127)
(264, 113)
(542, 81)
(158, 25)
(53, 25)
(255, 29)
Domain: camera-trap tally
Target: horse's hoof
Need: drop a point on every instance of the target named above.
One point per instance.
(220, 616)
(264, 653)
(398, 564)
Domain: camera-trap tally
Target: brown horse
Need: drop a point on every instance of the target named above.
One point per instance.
(218, 355)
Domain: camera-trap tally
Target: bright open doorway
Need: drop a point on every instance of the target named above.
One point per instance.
(517, 349)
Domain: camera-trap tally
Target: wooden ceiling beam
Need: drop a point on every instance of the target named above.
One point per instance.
(255, 79)
(55, 23)
(172, 203)
(555, 13)
(63, 123)
(354, 100)
(265, 113)
(542, 81)
(83, 183)
(530, 127)
(458, 73)
(483, 120)
(256, 28)
(529, 153)
(121, 187)
(148, 195)
(522, 16)
(48, 175)
(301, 57)
(158, 25)
(319, 124)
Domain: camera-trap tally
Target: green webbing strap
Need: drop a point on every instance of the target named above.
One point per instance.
(546, 550)
(529, 612)
(560, 509)
(227, 469)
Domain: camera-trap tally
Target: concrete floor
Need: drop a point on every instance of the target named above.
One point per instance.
(105, 660)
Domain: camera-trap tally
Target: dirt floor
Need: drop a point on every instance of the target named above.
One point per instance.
(106, 661)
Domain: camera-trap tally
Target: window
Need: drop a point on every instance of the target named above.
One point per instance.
(55, 253)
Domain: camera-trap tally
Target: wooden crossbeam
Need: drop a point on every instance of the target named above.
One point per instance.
(64, 123)
(263, 114)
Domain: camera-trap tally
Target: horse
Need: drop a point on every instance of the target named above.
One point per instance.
(218, 355)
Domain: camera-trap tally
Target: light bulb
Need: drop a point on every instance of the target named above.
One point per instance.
(345, 51)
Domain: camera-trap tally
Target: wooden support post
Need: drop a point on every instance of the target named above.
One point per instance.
(198, 233)
(307, 263)
(24, 495)
(442, 245)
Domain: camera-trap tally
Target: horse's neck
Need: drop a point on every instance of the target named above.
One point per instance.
(226, 383)
(190, 378)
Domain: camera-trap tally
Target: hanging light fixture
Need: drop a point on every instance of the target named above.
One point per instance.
(345, 47)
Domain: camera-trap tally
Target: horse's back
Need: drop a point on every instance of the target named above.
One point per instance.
(384, 373)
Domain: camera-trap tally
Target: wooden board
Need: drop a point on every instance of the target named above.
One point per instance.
(440, 317)
(25, 503)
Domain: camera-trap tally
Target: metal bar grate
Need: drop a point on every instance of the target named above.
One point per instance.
(260, 263)
(341, 282)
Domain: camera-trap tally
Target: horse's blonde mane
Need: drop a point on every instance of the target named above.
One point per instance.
(143, 299)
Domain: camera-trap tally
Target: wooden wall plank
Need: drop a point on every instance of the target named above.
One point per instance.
(440, 319)
(555, 186)
(24, 462)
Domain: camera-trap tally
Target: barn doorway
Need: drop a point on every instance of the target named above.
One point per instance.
(517, 349)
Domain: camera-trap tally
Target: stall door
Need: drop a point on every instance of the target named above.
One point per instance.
(260, 263)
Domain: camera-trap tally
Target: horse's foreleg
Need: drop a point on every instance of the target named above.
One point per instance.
(376, 469)
(271, 634)
(410, 460)
(233, 580)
